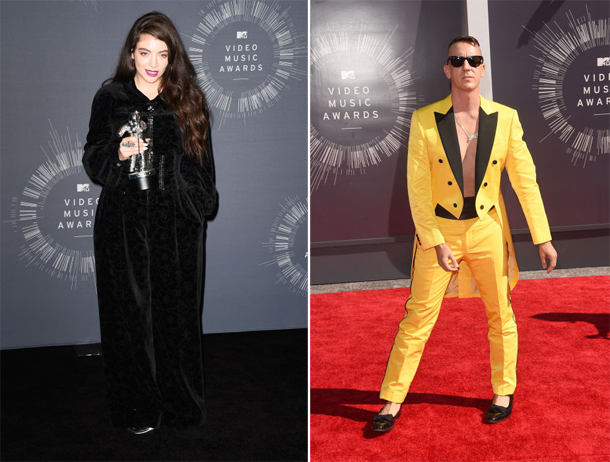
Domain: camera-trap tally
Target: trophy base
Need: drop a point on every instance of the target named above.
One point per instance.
(141, 181)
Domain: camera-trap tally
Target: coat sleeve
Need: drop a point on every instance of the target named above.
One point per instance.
(202, 177)
(419, 186)
(522, 175)
(101, 157)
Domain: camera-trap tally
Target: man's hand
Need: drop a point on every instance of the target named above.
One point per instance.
(547, 251)
(445, 258)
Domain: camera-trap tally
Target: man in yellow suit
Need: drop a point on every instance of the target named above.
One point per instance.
(458, 148)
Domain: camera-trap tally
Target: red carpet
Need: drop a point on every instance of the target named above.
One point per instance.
(562, 402)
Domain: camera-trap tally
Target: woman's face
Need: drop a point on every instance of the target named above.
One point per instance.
(151, 57)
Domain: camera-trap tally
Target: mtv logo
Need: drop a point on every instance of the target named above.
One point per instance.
(242, 34)
(348, 75)
(82, 187)
(603, 61)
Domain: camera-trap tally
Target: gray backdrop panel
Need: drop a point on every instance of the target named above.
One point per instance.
(361, 226)
(55, 54)
(394, 50)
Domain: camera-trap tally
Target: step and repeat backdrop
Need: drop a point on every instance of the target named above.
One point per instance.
(551, 61)
(251, 61)
(373, 63)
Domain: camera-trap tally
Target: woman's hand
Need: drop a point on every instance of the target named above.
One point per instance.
(130, 146)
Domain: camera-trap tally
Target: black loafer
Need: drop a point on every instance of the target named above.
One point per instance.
(497, 413)
(384, 423)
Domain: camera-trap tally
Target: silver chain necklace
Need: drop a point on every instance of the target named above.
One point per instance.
(470, 137)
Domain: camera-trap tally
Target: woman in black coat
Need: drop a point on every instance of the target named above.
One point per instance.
(149, 147)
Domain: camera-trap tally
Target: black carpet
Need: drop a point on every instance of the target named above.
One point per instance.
(256, 388)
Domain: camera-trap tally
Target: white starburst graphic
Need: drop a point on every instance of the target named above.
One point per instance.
(68, 218)
(88, 2)
(361, 102)
(573, 101)
(288, 244)
(245, 53)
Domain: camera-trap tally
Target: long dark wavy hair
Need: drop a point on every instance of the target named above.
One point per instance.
(179, 87)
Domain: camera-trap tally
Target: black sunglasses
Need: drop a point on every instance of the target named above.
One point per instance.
(458, 61)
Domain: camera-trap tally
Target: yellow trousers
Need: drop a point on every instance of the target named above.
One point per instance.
(480, 243)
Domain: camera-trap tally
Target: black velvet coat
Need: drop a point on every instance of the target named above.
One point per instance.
(149, 256)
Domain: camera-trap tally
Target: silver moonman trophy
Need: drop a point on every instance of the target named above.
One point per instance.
(141, 172)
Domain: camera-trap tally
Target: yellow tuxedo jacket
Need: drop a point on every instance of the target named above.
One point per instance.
(434, 177)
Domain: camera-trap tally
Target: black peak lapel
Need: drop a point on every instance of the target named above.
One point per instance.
(487, 135)
(446, 129)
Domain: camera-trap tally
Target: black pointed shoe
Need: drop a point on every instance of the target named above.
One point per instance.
(384, 423)
(497, 413)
